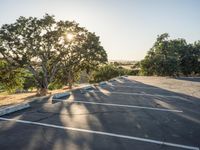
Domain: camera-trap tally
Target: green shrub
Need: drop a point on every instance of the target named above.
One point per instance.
(55, 85)
(107, 72)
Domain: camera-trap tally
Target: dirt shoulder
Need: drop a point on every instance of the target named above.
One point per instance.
(12, 99)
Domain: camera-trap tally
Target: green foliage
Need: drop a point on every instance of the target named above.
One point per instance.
(190, 59)
(11, 79)
(135, 69)
(171, 58)
(29, 81)
(55, 85)
(133, 72)
(107, 72)
(83, 53)
(196, 57)
(42, 47)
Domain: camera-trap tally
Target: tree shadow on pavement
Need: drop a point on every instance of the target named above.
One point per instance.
(182, 128)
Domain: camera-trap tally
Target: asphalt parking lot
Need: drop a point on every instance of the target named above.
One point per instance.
(122, 114)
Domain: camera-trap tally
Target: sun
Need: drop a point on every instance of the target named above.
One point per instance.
(70, 36)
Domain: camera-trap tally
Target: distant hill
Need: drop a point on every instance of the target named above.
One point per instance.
(123, 62)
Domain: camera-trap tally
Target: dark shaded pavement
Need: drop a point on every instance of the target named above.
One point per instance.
(178, 128)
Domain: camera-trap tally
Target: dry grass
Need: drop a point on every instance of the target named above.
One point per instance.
(11, 99)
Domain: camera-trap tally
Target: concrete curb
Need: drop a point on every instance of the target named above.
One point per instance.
(112, 80)
(118, 78)
(103, 83)
(60, 95)
(86, 88)
(56, 97)
(13, 108)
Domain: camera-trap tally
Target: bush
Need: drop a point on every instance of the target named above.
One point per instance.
(55, 85)
(107, 72)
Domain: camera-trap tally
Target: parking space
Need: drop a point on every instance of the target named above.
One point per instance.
(123, 114)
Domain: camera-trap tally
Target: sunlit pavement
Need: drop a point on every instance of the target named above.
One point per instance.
(123, 114)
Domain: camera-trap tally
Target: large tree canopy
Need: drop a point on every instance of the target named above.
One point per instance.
(84, 51)
(45, 46)
(171, 57)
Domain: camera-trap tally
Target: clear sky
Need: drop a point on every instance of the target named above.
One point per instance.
(127, 28)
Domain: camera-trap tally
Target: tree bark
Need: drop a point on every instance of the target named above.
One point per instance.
(43, 83)
(70, 80)
(42, 91)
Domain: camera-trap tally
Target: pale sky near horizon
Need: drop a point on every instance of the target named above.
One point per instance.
(127, 28)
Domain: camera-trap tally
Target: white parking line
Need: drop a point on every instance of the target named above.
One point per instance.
(132, 86)
(142, 94)
(128, 106)
(103, 133)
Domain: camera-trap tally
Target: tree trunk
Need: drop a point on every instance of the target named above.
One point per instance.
(42, 91)
(43, 83)
(70, 80)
